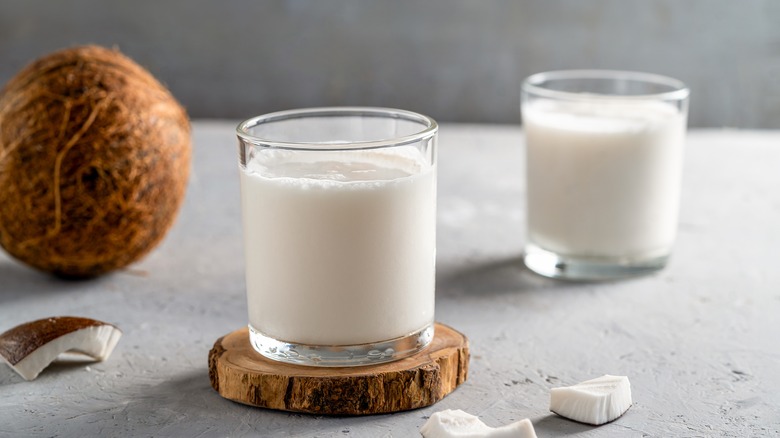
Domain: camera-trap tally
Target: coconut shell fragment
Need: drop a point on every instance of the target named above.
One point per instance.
(94, 162)
(596, 401)
(30, 347)
(455, 423)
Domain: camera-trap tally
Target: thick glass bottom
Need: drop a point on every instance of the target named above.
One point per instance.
(550, 264)
(341, 355)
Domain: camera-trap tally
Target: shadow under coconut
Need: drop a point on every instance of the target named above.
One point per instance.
(18, 282)
(8, 376)
(554, 425)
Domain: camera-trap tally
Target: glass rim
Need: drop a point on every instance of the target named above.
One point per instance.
(429, 127)
(532, 84)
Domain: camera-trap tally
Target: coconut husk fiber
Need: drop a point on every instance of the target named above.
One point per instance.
(94, 162)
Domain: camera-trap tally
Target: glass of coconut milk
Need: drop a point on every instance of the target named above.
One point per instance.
(339, 215)
(604, 158)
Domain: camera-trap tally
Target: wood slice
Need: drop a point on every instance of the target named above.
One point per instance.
(241, 374)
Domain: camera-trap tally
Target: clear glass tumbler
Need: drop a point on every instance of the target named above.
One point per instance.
(339, 214)
(604, 159)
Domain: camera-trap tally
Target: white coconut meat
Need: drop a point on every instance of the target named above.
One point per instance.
(31, 347)
(455, 423)
(595, 401)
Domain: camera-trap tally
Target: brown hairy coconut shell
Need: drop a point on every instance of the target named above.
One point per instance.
(94, 162)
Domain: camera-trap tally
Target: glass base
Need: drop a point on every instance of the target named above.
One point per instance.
(550, 264)
(341, 355)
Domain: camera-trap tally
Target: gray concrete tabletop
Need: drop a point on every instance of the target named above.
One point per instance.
(699, 340)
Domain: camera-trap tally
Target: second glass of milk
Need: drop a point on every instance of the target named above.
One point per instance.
(339, 215)
(604, 157)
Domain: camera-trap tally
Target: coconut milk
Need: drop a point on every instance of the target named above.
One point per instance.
(603, 176)
(340, 246)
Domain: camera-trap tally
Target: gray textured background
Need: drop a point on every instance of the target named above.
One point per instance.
(455, 60)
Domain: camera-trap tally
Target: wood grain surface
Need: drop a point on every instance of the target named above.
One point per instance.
(241, 374)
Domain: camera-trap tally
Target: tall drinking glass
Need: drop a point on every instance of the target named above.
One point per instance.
(604, 159)
(339, 214)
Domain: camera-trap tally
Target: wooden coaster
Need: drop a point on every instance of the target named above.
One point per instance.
(241, 374)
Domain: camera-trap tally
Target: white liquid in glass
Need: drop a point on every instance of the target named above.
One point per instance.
(603, 177)
(340, 246)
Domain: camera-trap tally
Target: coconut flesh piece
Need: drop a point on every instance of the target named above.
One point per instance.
(458, 424)
(29, 348)
(595, 401)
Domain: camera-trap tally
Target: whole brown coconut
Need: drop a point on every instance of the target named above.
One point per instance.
(94, 162)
